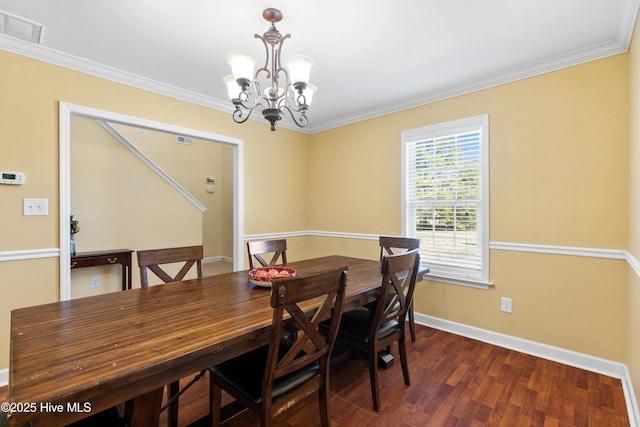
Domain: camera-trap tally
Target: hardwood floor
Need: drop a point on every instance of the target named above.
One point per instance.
(455, 381)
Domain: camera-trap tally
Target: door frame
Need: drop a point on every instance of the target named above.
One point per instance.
(67, 110)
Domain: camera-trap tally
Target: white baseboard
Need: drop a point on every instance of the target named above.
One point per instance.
(217, 259)
(556, 354)
(4, 377)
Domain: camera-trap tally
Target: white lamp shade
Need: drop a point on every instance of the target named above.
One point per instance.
(308, 93)
(242, 64)
(232, 86)
(299, 68)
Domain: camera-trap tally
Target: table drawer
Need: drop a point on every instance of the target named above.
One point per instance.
(95, 261)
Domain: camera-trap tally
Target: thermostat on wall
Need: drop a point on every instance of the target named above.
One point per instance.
(9, 177)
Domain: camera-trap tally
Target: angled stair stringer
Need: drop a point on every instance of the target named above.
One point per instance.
(165, 176)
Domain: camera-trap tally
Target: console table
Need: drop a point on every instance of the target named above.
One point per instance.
(97, 258)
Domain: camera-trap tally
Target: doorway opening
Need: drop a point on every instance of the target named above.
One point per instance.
(68, 111)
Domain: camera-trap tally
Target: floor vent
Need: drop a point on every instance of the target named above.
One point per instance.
(20, 28)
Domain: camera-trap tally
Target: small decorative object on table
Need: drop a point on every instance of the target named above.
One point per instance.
(264, 275)
(74, 228)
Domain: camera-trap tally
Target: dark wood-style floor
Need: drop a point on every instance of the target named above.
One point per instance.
(455, 381)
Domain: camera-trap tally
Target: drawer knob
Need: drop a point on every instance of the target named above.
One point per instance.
(112, 260)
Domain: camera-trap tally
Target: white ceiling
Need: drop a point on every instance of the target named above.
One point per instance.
(372, 57)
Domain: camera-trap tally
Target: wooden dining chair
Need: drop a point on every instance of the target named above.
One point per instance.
(371, 330)
(273, 378)
(257, 250)
(152, 260)
(390, 245)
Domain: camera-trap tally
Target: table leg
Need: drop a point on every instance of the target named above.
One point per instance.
(129, 272)
(145, 410)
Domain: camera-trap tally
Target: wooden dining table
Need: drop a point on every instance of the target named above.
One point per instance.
(72, 359)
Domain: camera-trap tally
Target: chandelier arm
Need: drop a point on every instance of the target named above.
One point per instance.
(238, 115)
(265, 67)
(301, 121)
(247, 100)
(295, 104)
(278, 65)
(274, 95)
(301, 100)
(241, 109)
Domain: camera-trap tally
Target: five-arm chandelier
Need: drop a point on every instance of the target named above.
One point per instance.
(287, 87)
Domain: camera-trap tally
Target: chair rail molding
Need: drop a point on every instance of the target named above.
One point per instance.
(619, 254)
(29, 254)
(559, 250)
(633, 262)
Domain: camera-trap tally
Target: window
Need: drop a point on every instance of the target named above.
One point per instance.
(445, 198)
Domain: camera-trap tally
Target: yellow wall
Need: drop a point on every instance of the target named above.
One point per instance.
(559, 175)
(633, 303)
(190, 165)
(31, 90)
(121, 203)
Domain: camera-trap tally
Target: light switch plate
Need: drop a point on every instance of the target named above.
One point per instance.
(35, 207)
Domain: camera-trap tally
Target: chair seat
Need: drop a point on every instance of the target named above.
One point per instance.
(355, 325)
(245, 373)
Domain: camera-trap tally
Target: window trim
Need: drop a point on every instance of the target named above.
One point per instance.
(444, 129)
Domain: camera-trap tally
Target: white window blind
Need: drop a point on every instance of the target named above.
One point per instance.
(445, 197)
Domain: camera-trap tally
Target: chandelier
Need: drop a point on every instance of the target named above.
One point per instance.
(286, 87)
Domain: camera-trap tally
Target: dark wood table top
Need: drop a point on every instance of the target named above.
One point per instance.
(101, 253)
(106, 349)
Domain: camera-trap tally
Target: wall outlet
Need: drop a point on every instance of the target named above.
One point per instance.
(95, 282)
(505, 304)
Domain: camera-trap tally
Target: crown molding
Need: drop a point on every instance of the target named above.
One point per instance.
(75, 63)
(518, 73)
(619, 44)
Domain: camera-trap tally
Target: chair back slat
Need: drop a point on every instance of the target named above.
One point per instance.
(310, 345)
(259, 249)
(398, 282)
(390, 245)
(152, 260)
